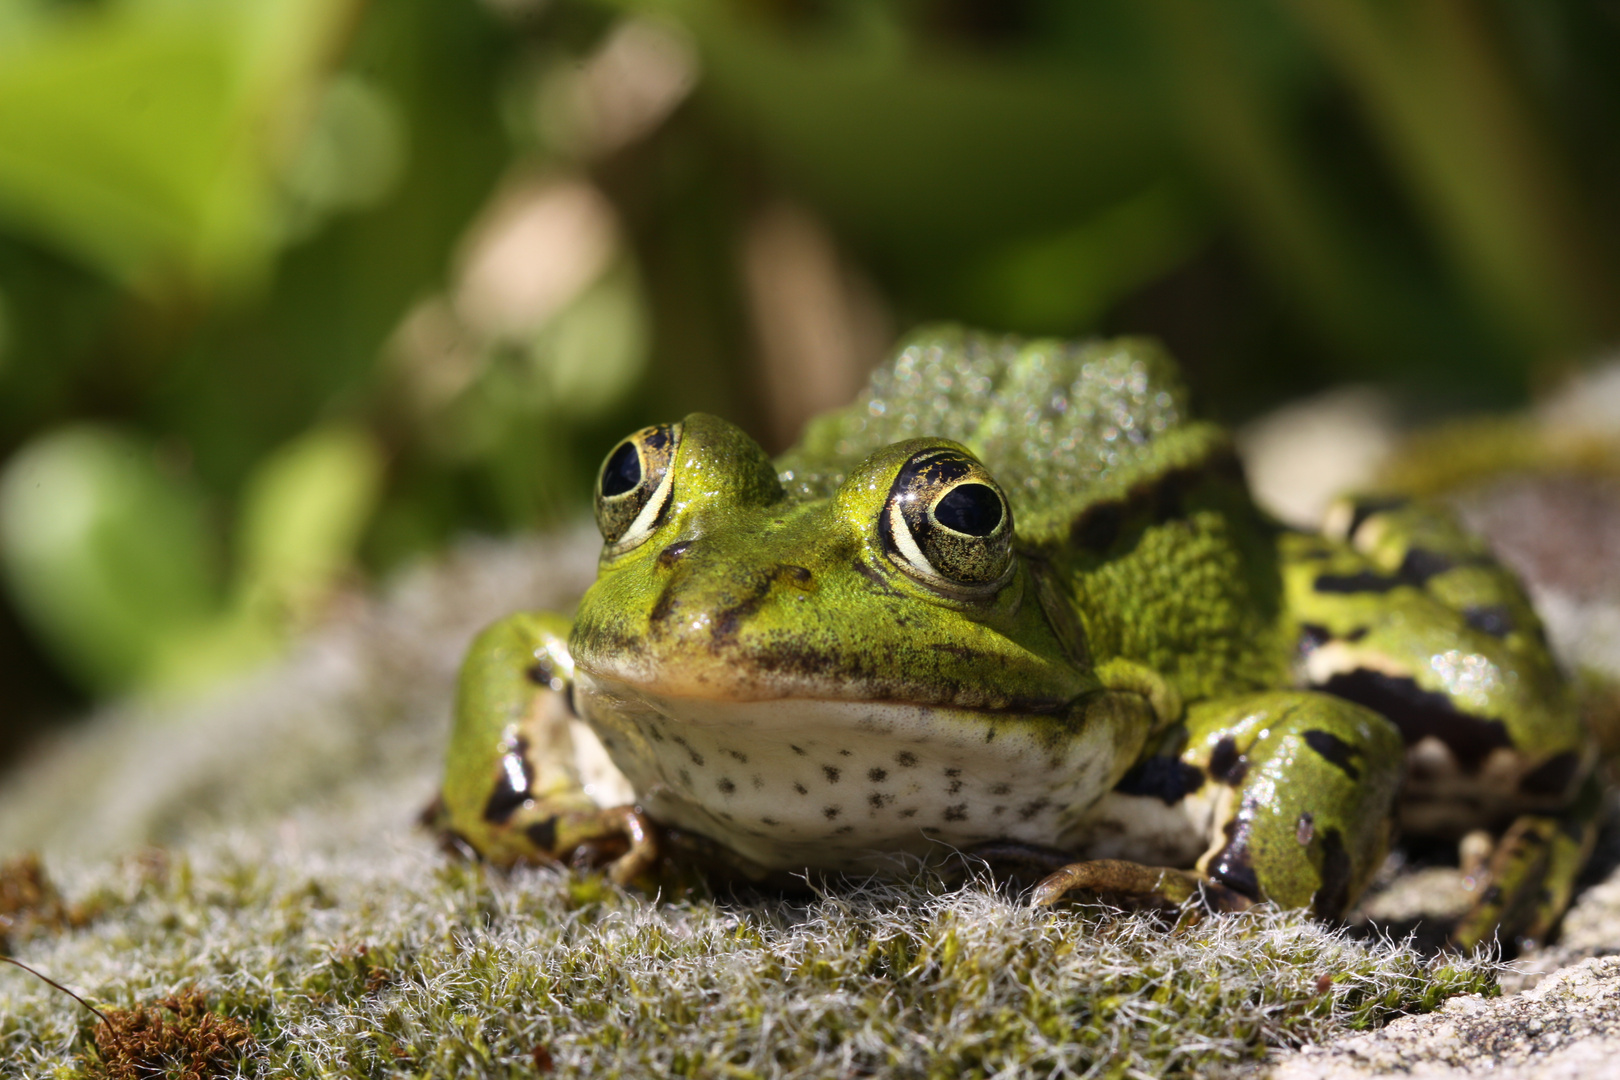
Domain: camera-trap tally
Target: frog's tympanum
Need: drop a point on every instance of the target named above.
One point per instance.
(1015, 599)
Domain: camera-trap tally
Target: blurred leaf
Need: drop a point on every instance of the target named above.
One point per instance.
(143, 135)
(1067, 279)
(301, 520)
(106, 555)
(590, 354)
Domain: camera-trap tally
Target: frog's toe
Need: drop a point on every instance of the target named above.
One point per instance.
(1136, 885)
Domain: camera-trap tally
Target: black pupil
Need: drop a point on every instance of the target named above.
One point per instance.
(971, 509)
(622, 472)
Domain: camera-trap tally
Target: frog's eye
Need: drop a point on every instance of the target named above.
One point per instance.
(633, 486)
(947, 522)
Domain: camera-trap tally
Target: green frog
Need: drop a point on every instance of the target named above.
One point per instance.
(1015, 601)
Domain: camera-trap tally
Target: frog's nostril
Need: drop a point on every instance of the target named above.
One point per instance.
(672, 554)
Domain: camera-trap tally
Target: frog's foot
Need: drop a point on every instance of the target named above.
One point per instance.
(619, 840)
(1527, 883)
(1136, 886)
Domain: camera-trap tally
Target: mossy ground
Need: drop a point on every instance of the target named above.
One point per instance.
(402, 963)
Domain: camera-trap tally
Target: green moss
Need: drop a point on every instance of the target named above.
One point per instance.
(400, 964)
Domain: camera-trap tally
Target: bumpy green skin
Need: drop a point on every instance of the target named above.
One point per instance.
(1152, 630)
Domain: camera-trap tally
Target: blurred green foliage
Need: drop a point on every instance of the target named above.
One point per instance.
(295, 288)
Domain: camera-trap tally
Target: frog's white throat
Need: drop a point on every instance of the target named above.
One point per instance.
(799, 782)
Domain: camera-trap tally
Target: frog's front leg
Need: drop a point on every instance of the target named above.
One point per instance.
(1293, 793)
(512, 786)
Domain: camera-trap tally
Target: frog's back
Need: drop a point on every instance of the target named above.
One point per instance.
(1139, 508)
(1063, 426)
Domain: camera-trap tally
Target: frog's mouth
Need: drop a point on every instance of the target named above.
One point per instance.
(794, 782)
(953, 676)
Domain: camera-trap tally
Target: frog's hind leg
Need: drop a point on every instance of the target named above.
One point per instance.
(1403, 611)
(514, 788)
(1530, 876)
(1293, 795)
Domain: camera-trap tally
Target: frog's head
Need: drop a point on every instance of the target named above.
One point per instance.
(903, 584)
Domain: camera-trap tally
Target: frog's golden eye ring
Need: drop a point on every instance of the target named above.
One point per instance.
(633, 487)
(948, 523)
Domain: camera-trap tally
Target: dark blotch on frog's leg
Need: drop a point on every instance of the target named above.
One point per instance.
(737, 755)
(877, 776)
(1421, 564)
(1553, 776)
(905, 759)
(1334, 893)
(800, 788)
(511, 784)
(543, 834)
(1334, 750)
(1233, 865)
(831, 773)
(1492, 619)
(1001, 789)
(540, 672)
(1362, 581)
(1420, 713)
(830, 812)
(958, 812)
(1226, 764)
(797, 749)
(726, 786)
(878, 800)
(1313, 637)
(1167, 779)
(769, 821)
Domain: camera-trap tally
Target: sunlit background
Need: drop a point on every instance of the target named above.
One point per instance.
(293, 292)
